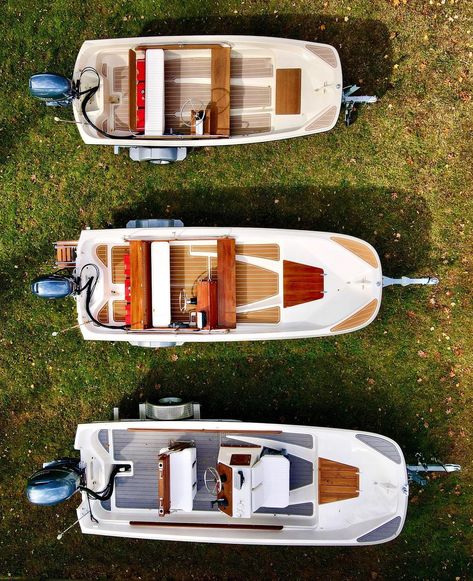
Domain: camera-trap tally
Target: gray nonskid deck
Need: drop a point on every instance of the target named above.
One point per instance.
(140, 491)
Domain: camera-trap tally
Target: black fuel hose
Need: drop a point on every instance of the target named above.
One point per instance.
(88, 287)
(89, 93)
(107, 492)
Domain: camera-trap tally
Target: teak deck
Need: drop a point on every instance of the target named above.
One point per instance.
(302, 283)
(288, 91)
(337, 481)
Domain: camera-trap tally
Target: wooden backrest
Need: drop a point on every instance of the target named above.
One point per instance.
(140, 284)
(226, 289)
(164, 485)
(220, 91)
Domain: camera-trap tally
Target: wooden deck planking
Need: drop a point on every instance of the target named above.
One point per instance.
(102, 254)
(361, 316)
(288, 91)
(302, 283)
(268, 251)
(270, 315)
(337, 481)
(118, 263)
(253, 283)
(103, 314)
(359, 248)
(119, 311)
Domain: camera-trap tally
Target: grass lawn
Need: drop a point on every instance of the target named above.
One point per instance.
(400, 177)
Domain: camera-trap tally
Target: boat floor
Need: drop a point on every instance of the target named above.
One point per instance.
(189, 263)
(187, 79)
(140, 490)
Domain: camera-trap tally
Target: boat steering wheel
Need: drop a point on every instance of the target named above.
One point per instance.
(191, 105)
(183, 301)
(212, 481)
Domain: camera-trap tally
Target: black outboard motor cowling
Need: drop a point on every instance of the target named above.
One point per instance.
(53, 286)
(55, 90)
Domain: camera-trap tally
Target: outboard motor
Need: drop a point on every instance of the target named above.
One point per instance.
(55, 90)
(53, 286)
(59, 480)
(54, 483)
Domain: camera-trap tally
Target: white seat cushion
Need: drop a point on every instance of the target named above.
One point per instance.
(270, 482)
(154, 93)
(183, 472)
(161, 283)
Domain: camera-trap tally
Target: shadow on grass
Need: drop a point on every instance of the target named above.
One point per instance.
(300, 384)
(396, 223)
(363, 44)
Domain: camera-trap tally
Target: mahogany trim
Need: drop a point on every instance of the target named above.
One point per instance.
(207, 431)
(302, 283)
(240, 459)
(140, 284)
(138, 523)
(226, 288)
(164, 485)
(177, 46)
(227, 488)
(220, 91)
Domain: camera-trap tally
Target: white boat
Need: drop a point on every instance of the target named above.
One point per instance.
(231, 482)
(171, 92)
(162, 286)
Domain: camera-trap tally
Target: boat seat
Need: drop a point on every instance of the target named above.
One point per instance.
(154, 93)
(183, 475)
(270, 482)
(161, 283)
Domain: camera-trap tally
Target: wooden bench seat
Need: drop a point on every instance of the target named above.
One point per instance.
(226, 288)
(220, 91)
(140, 284)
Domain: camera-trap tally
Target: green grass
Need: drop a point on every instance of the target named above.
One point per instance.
(400, 178)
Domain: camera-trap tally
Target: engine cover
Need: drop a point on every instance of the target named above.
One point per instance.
(55, 90)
